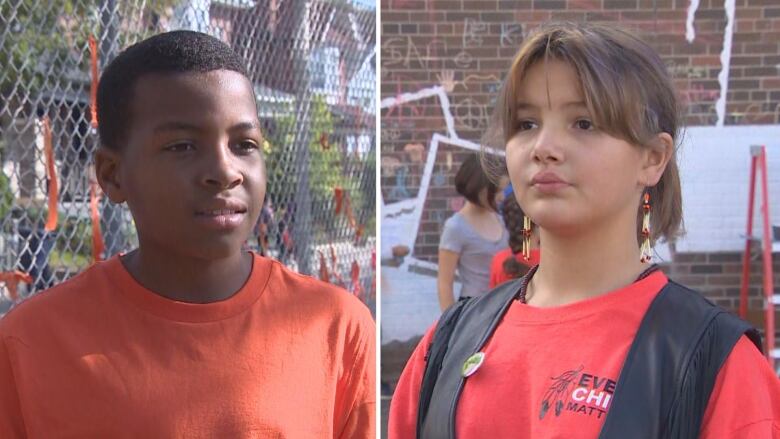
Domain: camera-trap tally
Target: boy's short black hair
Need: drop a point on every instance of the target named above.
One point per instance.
(178, 51)
(471, 179)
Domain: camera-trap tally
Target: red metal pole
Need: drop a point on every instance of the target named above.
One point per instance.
(768, 281)
(743, 290)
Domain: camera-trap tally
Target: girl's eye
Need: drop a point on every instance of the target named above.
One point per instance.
(584, 124)
(525, 125)
(180, 147)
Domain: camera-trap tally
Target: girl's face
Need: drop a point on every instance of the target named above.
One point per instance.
(567, 174)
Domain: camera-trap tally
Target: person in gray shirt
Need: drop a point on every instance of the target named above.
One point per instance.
(471, 236)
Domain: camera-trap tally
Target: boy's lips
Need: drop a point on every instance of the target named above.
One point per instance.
(222, 206)
(223, 214)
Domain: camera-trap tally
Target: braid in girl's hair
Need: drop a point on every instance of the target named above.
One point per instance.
(513, 220)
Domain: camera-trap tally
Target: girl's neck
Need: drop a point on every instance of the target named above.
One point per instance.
(474, 209)
(585, 265)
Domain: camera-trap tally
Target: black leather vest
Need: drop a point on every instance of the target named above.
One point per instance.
(664, 385)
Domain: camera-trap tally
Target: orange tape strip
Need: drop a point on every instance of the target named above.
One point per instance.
(12, 279)
(338, 195)
(334, 267)
(324, 276)
(48, 150)
(357, 288)
(94, 86)
(94, 213)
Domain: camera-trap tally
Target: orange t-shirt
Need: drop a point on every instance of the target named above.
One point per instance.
(551, 372)
(101, 356)
(497, 273)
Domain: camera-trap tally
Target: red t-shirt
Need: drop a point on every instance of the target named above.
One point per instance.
(497, 273)
(101, 356)
(551, 372)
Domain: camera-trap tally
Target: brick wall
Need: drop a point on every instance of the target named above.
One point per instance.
(465, 46)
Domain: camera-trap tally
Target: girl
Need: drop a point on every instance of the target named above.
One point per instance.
(471, 237)
(511, 263)
(589, 119)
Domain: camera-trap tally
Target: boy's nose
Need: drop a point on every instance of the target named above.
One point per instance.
(222, 171)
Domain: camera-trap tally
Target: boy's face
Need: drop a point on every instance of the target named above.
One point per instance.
(567, 174)
(191, 169)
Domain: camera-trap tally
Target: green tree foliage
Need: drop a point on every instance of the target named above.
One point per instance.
(329, 167)
(44, 43)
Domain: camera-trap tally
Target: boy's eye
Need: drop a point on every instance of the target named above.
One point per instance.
(180, 147)
(584, 124)
(524, 125)
(247, 145)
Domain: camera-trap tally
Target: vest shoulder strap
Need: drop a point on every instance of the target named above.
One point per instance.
(474, 322)
(671, 367)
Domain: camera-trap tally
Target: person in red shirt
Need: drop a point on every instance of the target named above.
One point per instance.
(187, 335)
(589, 119)
(510, 263)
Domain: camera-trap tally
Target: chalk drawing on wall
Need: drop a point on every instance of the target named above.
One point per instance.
(410, 210)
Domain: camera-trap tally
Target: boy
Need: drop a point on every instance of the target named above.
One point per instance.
(186, 336)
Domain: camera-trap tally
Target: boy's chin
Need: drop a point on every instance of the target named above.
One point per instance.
(212, 250)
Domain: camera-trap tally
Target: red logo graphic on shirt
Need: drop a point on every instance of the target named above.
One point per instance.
(578, 392)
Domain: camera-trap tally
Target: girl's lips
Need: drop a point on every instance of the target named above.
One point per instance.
(548, 182)
(550, 188)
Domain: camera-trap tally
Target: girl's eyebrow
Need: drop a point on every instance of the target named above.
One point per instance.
(529, 106)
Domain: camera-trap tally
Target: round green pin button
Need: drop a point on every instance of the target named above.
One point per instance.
(472, 364)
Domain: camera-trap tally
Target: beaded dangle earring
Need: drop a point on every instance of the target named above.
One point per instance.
(645, 250)
(526, 238)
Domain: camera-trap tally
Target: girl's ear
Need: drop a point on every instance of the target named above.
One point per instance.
(107, 162)
(655, 157)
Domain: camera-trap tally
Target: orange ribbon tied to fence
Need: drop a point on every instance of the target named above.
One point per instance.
(338, 195)
(372, 293)
(335, 267)
(357, 287)
(11, 280)
(342, 201)
(51, 173)
(94, 214)
(324, 275)
(93, 88)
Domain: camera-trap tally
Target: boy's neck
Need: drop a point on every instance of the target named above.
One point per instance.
(191, 280)
(577, 267)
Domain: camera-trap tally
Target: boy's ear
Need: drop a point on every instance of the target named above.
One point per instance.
(107, 163)
(655, 157)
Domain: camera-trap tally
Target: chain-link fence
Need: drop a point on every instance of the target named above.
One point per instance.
(312, 63)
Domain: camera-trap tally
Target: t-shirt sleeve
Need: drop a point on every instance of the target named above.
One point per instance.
(745, 401)
(402, 423)
(451, 236)
(358, 388)
(11, 422)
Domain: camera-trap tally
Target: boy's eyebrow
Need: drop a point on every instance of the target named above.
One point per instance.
(245, 126)
(176, 126)
(184, 126)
